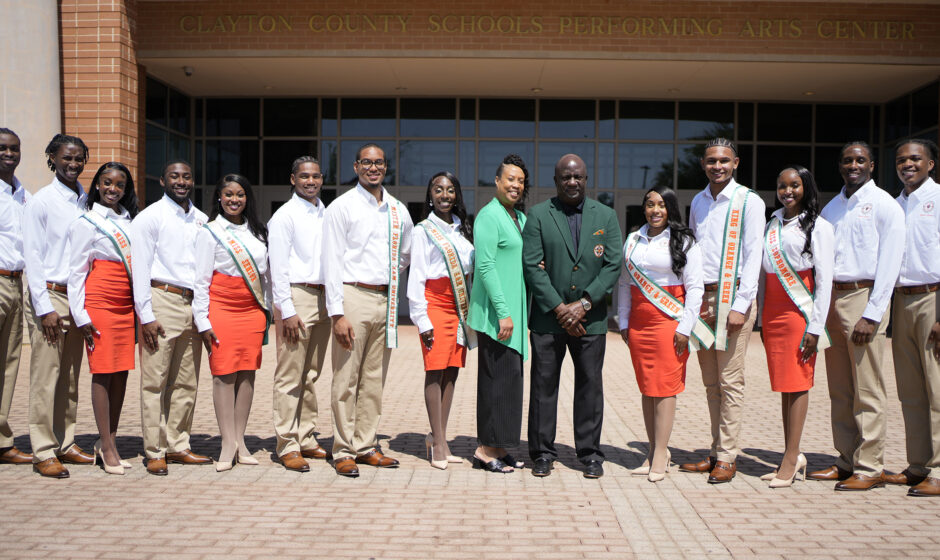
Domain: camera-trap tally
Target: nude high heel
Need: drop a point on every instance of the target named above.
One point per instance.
(430, 454)
(785, 483)
(245, 459)
(107, 468)
(644, 470)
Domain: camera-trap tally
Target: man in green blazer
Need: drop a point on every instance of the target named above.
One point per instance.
(571, 259)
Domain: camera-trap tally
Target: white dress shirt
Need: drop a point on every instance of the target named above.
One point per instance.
(46, 220)
(707, 220)
(653, 256)
(869, 242)
(212, 257)
(792, 240)
(427, 263)
(355, 243)
(295, 249)
(12, 200)
(163, 250)
(87, 244)
(921, 262)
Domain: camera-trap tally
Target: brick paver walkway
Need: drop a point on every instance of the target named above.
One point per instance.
(419, 512)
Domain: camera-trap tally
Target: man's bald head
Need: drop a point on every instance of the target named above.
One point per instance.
(570, 179)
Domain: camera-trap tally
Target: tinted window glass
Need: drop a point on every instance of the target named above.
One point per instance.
(368, 117)
(155, 150)
(704, 120)
(772, 159)
(157, 94)
(897, 118)
(420, 159)
(606, 121)
(745, 121)
(492, 154)
(328, 117)
(690, 174)
(640, 166)
(647, 120)
(231, 156)
(549, 154)
(826, 169)
(507, 118)
(924, 108)
(428, 117)
(280, 154)
(783, 122)
(566, 119)
(467, 164)
(606, 163)
(290, 117)
(180, 110)
(232, 117)
(468, 115)
(842, 123)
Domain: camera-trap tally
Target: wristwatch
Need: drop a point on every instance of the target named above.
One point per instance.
(586, 304)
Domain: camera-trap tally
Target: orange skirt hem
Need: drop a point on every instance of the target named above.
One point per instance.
(442, 311)
(110, 305)
(783, 327)
(659, 372)
(239, 324)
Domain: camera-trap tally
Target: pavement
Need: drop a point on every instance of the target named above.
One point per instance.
(416, 511)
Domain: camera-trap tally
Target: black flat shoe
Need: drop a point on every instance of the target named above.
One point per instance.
(496, 465)
(543, 467)
(512, 461)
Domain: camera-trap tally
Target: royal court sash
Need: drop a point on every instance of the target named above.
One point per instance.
(116, 235)
(394, 255)
(792, 283)
(728, 267)
(458, 282)
(243, 262)
(702, 336)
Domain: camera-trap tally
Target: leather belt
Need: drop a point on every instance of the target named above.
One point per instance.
(308, 285)
(713, 286)
(373, 287)
(922, 289)
(61, 288)
(185, 292)
(11, 273)
(853, 285)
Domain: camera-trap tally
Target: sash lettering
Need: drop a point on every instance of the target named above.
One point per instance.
(116, 235)
(394, 254)
(730, 256)
(458, 282)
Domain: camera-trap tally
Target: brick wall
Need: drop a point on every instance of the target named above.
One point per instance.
(100, 80)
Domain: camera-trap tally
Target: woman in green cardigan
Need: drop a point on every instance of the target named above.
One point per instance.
(498, 313)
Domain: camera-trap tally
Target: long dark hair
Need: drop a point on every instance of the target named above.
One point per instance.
(516, 159)
(255, 225)
(810, 203)
(680, 236)
(128, 201)
(459, 209)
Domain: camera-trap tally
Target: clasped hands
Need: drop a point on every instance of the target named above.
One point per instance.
(571, 316)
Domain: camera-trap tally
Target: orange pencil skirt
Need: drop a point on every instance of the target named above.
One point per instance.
(659, 372)
(110, 305)
(239, 324)
(783, 326)
(442, 311)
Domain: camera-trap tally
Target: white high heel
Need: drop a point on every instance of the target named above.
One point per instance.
(644, 470)
(656, 476)
(429, 448)
(245, 459)
(119, 469)
(787, 482)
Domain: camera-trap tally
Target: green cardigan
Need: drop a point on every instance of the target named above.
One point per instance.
(498, 285)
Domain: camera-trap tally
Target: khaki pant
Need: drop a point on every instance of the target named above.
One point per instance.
(53, 382)
(918, 376)
(359, 374)
(11, 341)
(169, 377)
(856, 386)
(298, 368)
(723, 376)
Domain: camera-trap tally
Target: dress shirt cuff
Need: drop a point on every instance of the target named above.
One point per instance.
(685, 326)
(873, 313)
(816, 329)
(334, 309)
(623, 323)
(147, 316)
(741, 305)
(286, 308)
(42, 305)
(202, 324)
(424, 324)
(81, 318)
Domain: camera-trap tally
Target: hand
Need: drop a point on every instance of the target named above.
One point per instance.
(505, 329)
(52, 325)
(209, 340)
(864, 331)
(810, 346)
(89, 332)
(293, 329)
(569, 314)
(427, 338)
(681, 343)
(934, 339)
(624, 334)
(542, 264)
(707, 314)
(152, 332)
(576, 329)
(736, 320)
(343, 332)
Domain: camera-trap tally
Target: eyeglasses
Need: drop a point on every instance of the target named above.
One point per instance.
(367, 163)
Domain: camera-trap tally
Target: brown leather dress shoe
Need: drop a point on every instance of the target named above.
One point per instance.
(316, 453)
(51, 468)
(294, 462)
(860, 482)
(705, 465)
(188, 458)
(157, 467)
(346, 466)
(830, 473)
(723, 472)
(928, 487)
(905, 477)
(13, 456)
(377, 459)
(76, 456)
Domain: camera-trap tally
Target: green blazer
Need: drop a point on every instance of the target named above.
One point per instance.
(570, 272)
(498, 284)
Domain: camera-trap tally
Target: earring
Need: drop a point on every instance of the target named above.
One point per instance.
(431, 204)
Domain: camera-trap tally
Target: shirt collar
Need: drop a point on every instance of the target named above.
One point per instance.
(725, 192)
(923, 190)
(8, 188)
(67, 192)
(177, 208)
(371, 199)
(778, 213)
(862, 191)
(106, 212)
(644, 232)
(307, 205)
(433, 217)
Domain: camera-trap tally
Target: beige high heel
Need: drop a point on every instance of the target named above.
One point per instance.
(785, 483)
(245, 459)
(644, 470)
(107, 468)
(656, 476)
(428, 440)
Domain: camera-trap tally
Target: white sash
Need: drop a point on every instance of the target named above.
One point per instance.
(728, 267)
(116, 235)
(242, 257)
(394, 253)
(790, 279)
(702, 336)
(458, 283)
